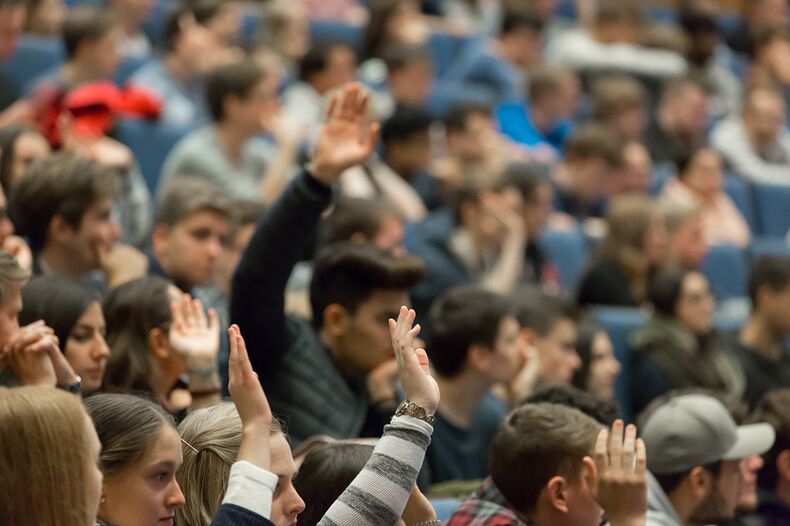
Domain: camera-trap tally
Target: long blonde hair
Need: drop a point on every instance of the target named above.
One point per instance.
(215, 434)
(45, 453)
(629, 219)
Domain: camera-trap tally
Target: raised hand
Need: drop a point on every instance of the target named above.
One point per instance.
(251, 403)
(413, 366)
(347, 138)
(192, 334)
(622, 485)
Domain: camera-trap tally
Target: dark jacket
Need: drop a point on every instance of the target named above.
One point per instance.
(605, 283)
(301, 379)
(668, 356)
(762, 374)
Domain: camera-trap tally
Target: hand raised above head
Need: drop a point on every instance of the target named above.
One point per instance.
(414, 370)
(193, 334)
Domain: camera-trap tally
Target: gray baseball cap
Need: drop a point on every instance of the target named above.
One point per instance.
(697, 430)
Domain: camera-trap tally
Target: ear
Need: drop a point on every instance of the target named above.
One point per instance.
(479, 357)
(159, 343)
(59, 230)
(159, 237)
(700, 482)
(783, 464)
(557, 494)
(336, 320)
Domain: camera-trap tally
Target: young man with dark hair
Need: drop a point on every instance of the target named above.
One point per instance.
(500, 64)
(326, 67)
(190, 232)
(64, 208)
(409, 73)
(621, 102)
(335, 376)
(177, 76)
(774, 478)
(581, 180)
(473, 343)
(243, 103)
(363, 221)
(552, 465)
(605, 412)
(762, 348)
(694, 453)
(549, 325)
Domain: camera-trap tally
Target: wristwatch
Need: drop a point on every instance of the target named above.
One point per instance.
(74, 388)
(408, 408)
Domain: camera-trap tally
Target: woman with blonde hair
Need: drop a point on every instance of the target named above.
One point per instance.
(49, 461)
(635, 245)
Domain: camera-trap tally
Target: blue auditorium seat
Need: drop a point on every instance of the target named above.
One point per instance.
(34, 56)
(771, 246)
(444, 507)
(447, 93)
(773, 209)
(334, 31)
(726, 268)
(444, 49)
(740, 191)
(619, 323)
(127, 68)
(150, 143)
(567, 250)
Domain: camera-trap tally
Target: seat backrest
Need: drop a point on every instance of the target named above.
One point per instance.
(566, 249)
(726, 268)
(740, 191)
(773, 209)
(34, 56)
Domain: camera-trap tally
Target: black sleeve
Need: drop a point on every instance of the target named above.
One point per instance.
(605, 284)
(232, 515)
(281, 238)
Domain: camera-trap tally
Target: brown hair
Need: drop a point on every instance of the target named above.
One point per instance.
(546, 80)
(595, 141)
(183, 196)
(544, 441)
(628, 220)
(45, 442)
(613, 95)
(236, 79)
(215, 434)
(63, 184)
(86, 24)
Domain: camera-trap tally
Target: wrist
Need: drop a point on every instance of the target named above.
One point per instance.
(326, 175)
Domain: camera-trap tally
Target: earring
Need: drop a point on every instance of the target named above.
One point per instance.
(103, 500)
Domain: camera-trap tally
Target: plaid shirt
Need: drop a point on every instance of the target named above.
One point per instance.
(486, 507)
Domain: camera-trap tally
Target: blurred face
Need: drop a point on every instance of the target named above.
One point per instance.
(721, 503)
(688, 243)
(97, 233)
(638, 171)
(557, 352)
(255, 113)
(410, 155)
(538, 210)
(134, 12)
(469, 145)
(604, 367)
(10, 308)
(93, 475)
(226, 25)
(690, 109)
(696, 304)
(102, 55)
(12, 20)
(365, 340)
(390, 235)
(776, 57)
(147, 493)
(631, 122)
(776, 305)
(765, 116)
(525, 45)
(590, 177)
(507, 355)
(286, 503)
(656, 241)
(29, 147)
(47, 19)
(192, 248)
(769, 13)
(747, 497)
(704, 175)
(296, 33)
(230, 257)
(411, 84)
(195, 45)
(341, 69)
(86, 350)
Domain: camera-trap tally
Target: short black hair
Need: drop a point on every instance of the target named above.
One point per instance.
(457, 116)
(539, 311)
(352, 215)
(769, 271)
(527, 178)
(605, 412)
(406, 122)
(59, 301)
(460, 318)
(235, 79)
(669, 482)
(516, 19)
(86, 23)
(317, 58)
(348, 273)
(665, 289)
(206, 10)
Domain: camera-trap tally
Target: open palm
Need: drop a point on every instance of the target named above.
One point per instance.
(192, 333)
(347, 138)
(413, 367)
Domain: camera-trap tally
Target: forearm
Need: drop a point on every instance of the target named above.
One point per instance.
(508, 269)
(378, 495)
(248, 499)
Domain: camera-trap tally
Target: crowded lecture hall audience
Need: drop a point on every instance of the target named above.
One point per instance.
(394, 262)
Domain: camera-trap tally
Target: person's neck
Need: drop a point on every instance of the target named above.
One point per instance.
(232, 141)
(783, 492)
(461, 396)
(177, 68)
(758, 336)
(684, 505)
(57, 261)
(75, 73)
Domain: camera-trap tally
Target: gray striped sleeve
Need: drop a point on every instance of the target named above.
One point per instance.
(378, 495)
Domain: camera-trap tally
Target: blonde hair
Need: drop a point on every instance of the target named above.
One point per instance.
(45, 442)
(629, 219)
(211, 440)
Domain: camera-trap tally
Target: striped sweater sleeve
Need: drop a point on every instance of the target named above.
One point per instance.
(378, 495)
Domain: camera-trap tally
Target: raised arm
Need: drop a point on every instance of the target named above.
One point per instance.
(282, 237)
(378, 495)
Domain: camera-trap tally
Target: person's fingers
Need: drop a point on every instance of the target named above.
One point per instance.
(332, 108)
(40, 345)
(600, 453)
(616, 446)
(213, 320)
(422, 358)
(372, 136)
(629, 448)
(641, 458)
(176, 316)
(186, 310)
(362, 104)
(27, 339)
(349, 102)
(199, 313)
